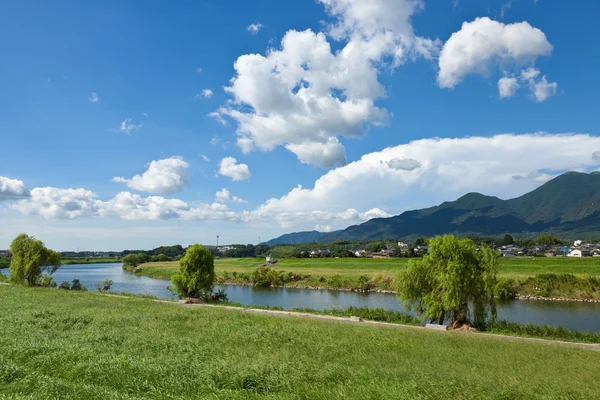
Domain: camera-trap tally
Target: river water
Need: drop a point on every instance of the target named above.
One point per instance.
(571, 315)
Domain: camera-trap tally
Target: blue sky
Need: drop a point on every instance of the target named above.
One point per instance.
(372, 107)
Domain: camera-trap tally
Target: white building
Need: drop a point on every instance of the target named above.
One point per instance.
(577, 243)
(575, 253)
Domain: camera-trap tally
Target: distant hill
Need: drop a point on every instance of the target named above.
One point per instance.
(567, 206)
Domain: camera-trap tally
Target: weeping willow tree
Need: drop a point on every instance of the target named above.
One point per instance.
(30, 259)
(454, 280)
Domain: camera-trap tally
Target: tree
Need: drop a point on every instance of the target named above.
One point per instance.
(453, 275)
(143, 258)
(131, 260)
(163, 258)
(548, 240)
(507, 240)
(30, 258)
(196, 273)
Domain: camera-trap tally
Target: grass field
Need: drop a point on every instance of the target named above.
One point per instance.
(69, 345)
(354, 267)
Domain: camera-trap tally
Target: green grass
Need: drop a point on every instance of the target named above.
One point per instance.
(68, 345)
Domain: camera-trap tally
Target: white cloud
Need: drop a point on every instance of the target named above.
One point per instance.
(324, 155)
(94, 98)
(323, 228)
(237, 172)
(406, 164)
(304, 96)
(254, 28)
(485, 44)
(219, 118)
(199, 70)
(127, 126)
(224, 196)
(503, 165)
(449, 169)
(540, 89)
(544, 89)
(206, 94)
(165, 176)
(205, 158)
(53, 203)
(507, 86)
(12, 189)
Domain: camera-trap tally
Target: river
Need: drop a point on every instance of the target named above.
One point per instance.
(571, 315)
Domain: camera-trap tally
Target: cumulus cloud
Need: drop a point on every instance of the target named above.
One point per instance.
(507, 86)
(254, 28)
(224, 196)
(127, 126)
(237, 172)
(94, 98)
(406, 164)
(206, 94)
(12, 189)
(53, 203)
(484, 44)
(449, 169)
(165, 177)
(325, 155)
(303, 95)
(501, 165)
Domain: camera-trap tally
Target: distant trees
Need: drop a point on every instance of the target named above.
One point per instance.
(453, 275)
(548, 240)
(508, 239)
(196, 273)
(143, 258)
(30, 259)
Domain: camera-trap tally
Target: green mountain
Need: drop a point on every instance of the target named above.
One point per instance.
(567, 206)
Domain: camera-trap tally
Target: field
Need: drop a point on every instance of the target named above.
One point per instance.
(353, 267)
(71, 345)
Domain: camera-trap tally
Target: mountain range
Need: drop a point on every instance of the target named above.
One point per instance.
(567, 206)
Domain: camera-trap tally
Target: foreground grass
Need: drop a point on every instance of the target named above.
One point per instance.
(58, 344)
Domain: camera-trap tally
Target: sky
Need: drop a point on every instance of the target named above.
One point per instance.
(130, 125)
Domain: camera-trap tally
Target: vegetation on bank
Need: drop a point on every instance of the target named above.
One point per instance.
(86, 260)
(56, 345)
(547, 277)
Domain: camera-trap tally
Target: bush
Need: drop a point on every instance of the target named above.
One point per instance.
(260, 278)
(364, 283)
(218, 296)
(47, 281)
(103, 286)
(335, 281)
(196, 273)
(65, 285)
(505, 289)
(78, 286)
(273, 277)
(130, 261)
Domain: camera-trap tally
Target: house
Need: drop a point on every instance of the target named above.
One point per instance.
(421, 249)
(385, 253)
(579, 253)
(577, 243)
(4, 253)
(360, 253)
(403, 247)
(507, 253)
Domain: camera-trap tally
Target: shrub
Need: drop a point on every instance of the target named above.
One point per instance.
(260, 278)
(273, 277)
(505, 289)
(218, 296)
(364, 283)
(78, 286)
(103, 286)
(47, 281)
(196, 273)
(335, 281)
(65, 285)
(130, 261)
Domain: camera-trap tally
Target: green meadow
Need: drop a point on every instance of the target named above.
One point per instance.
(72, 345)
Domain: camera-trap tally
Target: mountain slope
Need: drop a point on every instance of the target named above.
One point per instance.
(566, 205)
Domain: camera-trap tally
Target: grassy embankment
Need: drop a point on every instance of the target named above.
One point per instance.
(59, 344)
(530, 274)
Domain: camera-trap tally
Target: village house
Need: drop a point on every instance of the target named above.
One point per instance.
(4, 253)
(360, 253)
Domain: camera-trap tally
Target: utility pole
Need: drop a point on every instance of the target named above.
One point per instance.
(217, 242)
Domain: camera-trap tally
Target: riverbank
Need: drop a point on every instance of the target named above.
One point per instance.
(69, 261)
(562, 279)
(86, 345)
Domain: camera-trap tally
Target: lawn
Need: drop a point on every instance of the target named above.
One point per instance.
(354, 267)
(69, 345)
